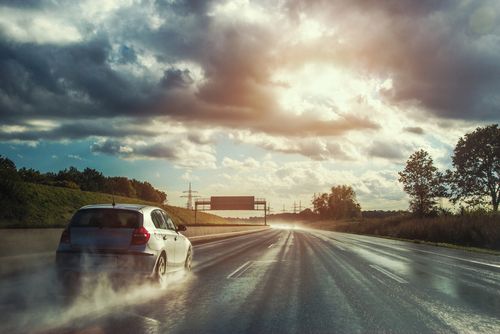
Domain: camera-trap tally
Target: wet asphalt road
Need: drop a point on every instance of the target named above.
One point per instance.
(278, 281)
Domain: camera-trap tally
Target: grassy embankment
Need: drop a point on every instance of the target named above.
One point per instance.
(476, 231)
(47, 206)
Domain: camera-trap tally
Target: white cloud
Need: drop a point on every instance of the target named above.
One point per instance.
(248, 163)
(38, 27)
(75, 157)
(189, 176)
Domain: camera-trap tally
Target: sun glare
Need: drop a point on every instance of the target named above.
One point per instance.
(322, 89)
(283, 226)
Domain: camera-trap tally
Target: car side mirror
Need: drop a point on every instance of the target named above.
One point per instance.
(181, 227)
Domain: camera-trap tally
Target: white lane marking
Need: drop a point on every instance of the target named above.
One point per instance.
(240, 270)
(339, 247)
(271, 245)
(148, 319)
(389, 274)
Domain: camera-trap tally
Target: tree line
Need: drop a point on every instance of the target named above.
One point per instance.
(88, 180)
(474, 180)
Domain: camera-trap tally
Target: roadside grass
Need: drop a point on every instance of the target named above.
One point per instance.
(47, 206)
(468, 231)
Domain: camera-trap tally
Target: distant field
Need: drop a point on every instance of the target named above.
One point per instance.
(48, 206)
(482, 231)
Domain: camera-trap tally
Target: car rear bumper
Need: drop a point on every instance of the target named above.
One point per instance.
(108, 262)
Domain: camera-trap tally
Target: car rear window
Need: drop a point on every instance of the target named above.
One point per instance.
(109, 218)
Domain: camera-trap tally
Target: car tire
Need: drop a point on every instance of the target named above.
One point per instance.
(69, 284)
(189, 260)
(160, 277)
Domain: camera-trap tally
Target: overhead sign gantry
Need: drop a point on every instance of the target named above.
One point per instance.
(224, 203)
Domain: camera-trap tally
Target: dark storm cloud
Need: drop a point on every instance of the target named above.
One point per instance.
(116, 147)
(23, 4)
(184, 7)
(81, 130)
(75, 81)
(111, 147)
(127, 55)
(175, 78)
(434, 56)
(79, 80)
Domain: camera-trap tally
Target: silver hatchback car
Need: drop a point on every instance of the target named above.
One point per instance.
(124, 239)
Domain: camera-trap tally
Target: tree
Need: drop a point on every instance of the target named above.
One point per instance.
(70, 174)
(320, 204)
(92, 180)
(342, 203)
(338, 204)
(476, 161)
(31, 175)
(119, 185)
(422, 181)
(12, 191)
(8, 175)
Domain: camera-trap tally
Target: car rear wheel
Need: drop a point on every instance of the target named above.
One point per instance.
(69, 284)
(161, 271)
(189, 260)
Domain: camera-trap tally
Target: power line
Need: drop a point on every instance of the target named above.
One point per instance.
(189, 196)
(297, 207)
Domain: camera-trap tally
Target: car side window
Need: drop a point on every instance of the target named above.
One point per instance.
(158, 220)
(170, 223)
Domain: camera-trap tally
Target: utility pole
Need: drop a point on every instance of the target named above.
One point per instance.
(284, 210)
(189, 196)
(294, 207)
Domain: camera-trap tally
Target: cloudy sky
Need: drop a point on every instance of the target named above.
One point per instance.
(277, 99)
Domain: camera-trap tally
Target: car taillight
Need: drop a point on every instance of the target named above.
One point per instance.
(65, 237)
(140, 236)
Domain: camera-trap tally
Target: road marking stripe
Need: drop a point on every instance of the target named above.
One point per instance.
(157, 322)
(389, 274)
(240, 270)
(340, 247)
(271, 245)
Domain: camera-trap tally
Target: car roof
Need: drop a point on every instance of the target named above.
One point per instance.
(134, 207)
